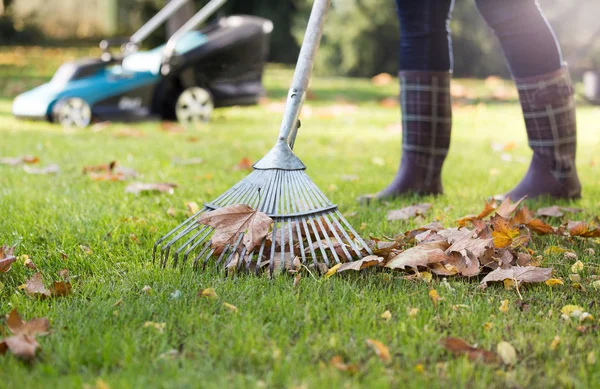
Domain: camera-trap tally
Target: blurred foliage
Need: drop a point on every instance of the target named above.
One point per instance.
(361, 37)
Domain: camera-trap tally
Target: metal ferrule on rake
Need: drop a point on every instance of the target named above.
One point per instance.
(306, 224)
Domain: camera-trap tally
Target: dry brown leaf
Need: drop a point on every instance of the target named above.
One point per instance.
(556, 211)
(171, 127)
(383, 249)
(459, 347)
(419, 256)
(244, 164)
(140, 187)
(61, 288)
(338, 363)
(18, 326)
(409, 212)
(297, 279)
(35, 287)
(525, 217)
(380, 349)
(518, 274)
(6, 258)
(487, 210)
(19, 160)
(29, 263)
(229, 222)
(582, 229)
(21, 346)
(507, 208)
(368, 261)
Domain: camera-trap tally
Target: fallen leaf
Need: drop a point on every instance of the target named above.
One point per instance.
(35, 287)
(85, 249)
(208, 292)
(582, 229)
(570, 309)
(507, 208)
(409, 212)
(487, 210)
(554, 282)
(507, 353)
(244, 164)
(504, 232)
(229, 222)
(387, 315)
(50, 169)
(338, 363)
(459, 347)
(518, 274)
(171, 127)
(381, 79)
(7, 258)
(192, 208)
(18, 326)
(61, 288)
(21, 346)
(231, 307)
(29, 263)
(525, 217)
(577, 267)
(556, 211)
(368, 261)
(504, 306)
(434, 296)
(380, 349)
(332, 271)
(412, 312)
(129, 133)
(139, 187)
(555, 343)
(419, 256)
(19, 160)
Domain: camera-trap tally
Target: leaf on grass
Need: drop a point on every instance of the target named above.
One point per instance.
(85, 249)
(507, 353)
(518, 274)
(192, 208)
(229, 222)
(577, 267)
(21, 346)
(368, 261)
(28, 263)
(338, 363)
(171, 127)
(381, 350)
(387, 315)
(459, 347)
(231, 307)
(383, 249)
(244, 164)
(409, 212)
(419, 256)
(556, 211)
(504, 306)
(332, 271)
(19, 160)
(208, 293)
(50, 169)
(582, 229)
(18, 326)
(488, 209)
(6, 258)
(35, 287)
(160, 327)
(507, 208)
(140, 187)
(61, 288)
(435, 297)
(504, 232)
(525, 217)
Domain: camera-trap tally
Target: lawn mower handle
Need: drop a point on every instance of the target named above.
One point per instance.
(306, 60)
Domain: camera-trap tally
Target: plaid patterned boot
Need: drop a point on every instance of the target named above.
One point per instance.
(549, 110)
(426, 126)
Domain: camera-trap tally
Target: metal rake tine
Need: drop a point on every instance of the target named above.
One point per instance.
(193, 247)
(272, 256)
(201, 254)
(173, 231)
(318, 241)
(187, 242)
(356, 235)
(233, 251)
(167, 248)
(260, 254)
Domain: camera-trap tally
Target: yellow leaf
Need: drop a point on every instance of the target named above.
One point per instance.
(425, 276)
(488, 326)
(208, 292)
(554, 250)
(232, 308)
(503, 232)
(332, 271)
(412, 312)
(507, 352)
(504, 306)
(555, 343)
(509, 284)
(575, 277)
(419, 368)
(569, 309)
(577, 267)
(435, 297)
(387, 315)
(554, 281)
(380, 349)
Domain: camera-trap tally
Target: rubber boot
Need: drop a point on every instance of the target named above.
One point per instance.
(426, 126)
(548, 105)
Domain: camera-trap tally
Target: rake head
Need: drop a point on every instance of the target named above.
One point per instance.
(306, 225)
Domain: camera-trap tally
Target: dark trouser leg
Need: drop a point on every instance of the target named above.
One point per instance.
(425, 69)
(546, 95)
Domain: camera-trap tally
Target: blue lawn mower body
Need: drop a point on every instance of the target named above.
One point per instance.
(220, 65)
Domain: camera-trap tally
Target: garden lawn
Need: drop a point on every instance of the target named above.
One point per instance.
(280, 336)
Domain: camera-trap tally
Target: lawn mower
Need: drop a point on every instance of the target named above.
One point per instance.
(185, 79)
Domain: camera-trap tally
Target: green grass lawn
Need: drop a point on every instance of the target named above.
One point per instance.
(281, 336)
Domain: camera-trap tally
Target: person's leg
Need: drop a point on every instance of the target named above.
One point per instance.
(546, 95)
(424, 71)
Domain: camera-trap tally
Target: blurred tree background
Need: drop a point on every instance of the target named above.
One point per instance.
(361, 35)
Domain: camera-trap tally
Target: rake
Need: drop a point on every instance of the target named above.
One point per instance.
(306, 225)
